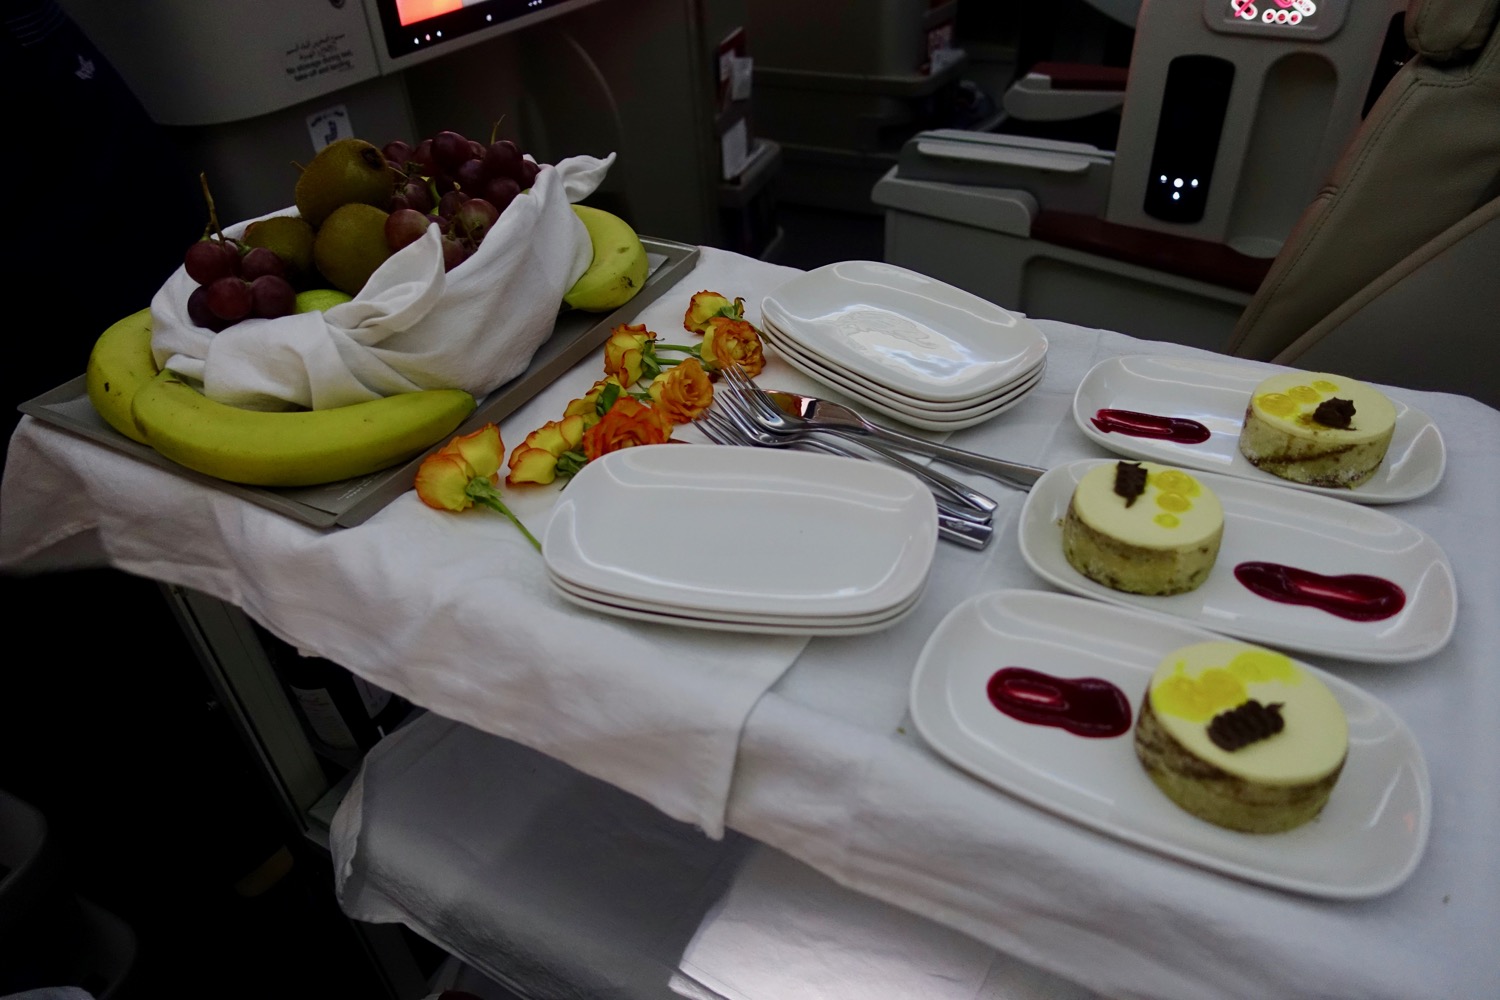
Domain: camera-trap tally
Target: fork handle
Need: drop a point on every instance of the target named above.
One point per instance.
(983, 506)
(964, 532)
(1012, 473)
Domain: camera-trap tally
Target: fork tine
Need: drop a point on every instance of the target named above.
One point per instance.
(717, 428)
(744, 388)
(733, 428)
(715, 432)
(744, 422)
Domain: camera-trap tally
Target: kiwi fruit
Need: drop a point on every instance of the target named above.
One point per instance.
(348, 171)
(350, 245)
(289, 238)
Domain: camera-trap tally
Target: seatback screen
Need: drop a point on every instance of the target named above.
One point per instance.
(410, 26)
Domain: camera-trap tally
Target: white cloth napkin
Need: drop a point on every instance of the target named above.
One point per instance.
(412, 326)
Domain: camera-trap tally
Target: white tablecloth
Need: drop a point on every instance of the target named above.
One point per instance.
(829, 769)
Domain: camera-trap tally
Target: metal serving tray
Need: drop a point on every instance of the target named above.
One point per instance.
(353, 501)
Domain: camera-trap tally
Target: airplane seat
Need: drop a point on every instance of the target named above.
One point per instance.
(1235, 111)
(1069, 90)
(1392, 273)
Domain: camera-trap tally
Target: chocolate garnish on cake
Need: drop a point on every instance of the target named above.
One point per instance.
(1130, 480)
(1245, 724)
(1337, 413)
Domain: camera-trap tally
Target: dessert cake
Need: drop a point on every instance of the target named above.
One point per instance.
(1241, 736)
(1142, 528)
(1315, 428)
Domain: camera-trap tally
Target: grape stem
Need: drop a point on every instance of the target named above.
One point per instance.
(213, 213)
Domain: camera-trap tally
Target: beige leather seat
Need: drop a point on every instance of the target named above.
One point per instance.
(1392, 274)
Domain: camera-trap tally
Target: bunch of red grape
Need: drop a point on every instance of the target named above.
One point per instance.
(456, 183)
(236, 283)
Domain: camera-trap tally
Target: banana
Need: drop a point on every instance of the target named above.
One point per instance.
(302, 448)
(619, 267)
(119, 365)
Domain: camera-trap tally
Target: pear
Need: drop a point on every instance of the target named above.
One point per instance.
(349, 171)
(319, 300)
(289, 238)
(350, 245)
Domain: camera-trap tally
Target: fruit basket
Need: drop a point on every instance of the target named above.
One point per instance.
(414, 324)
(573, 336)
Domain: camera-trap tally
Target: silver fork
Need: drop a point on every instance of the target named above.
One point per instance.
(746, 402)
(809, 414)
(964, 501)
(954, 524)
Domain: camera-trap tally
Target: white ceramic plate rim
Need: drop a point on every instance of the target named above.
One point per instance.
(936, 411)
(652, 607)
(999, 343)
(1359, 847)
(1263, 522)
(809, 628)
(1215, 393)
(866, 399)
(709, 529)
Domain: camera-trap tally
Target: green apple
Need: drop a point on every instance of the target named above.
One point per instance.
(317, 299)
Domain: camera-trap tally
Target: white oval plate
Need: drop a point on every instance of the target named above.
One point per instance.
(911, 333)
(725, 616)
(831, 627)
(1366, 842)
(1215, 393)
(851, 382)
(1267, 523)
(748, 530)
(867, 399)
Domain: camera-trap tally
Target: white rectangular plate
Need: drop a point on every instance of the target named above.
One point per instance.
(636, 603)
(1270, 524)
(746, 530)
(1215, 394)
(903, 414)
(805, 626)
(902, 404)
(906, 331)
(1366, 842)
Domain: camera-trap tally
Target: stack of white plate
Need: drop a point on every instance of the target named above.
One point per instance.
(743, 540)
(918, 350)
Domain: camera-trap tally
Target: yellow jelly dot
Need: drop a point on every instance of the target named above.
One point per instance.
(1215, 690)
(1304, 394)
(1167, 520)
(1326, 387)
(1175, 502)
(1172, 481)
(1256, 666)
(1277, 404)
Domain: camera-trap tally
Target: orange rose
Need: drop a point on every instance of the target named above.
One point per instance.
(628, 423)
(464, 472)
(590, 403)
(535, 460)
(629, 353)
(443, 477)
(732, 342)
(682, 393)
(443, 483)
(705, 305)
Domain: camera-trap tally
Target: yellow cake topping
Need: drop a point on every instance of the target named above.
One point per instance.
(1197, 699)
(1197, 683)
(1256, 665)
(1291, 398)
(1175, 509)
